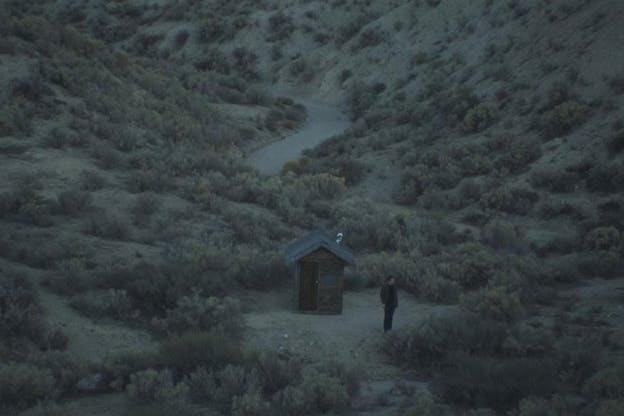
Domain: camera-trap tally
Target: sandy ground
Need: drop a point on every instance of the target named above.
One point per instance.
(323, 121)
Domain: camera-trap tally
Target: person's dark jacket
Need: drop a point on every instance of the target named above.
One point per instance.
(389, 296)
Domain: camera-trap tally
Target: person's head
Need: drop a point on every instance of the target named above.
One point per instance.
(389, 280)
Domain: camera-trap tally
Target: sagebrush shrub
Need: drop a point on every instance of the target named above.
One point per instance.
(118, 367)
(538, 406)
(512, 200)
(20, 311)
(606, 178)
(91, 181)
(73, 201)
(472, 266)
(600, 263)
(610, 408)
(518, 156)
(495, 382)
(198, 313)
(151, 386)
(555, 180)
(25, 384)
(602, 238)
(112, 303)
(411, 185)
(615, 144)
(607, 383)
(496, 303)
(478, 118)
(186, 352)
(501, 234)
(51, 409)
(562, 118)
(65, 368)
(277, 372)
(108, 226)
(281, 26)
(370, 37)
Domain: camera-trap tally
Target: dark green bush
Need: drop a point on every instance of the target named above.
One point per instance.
(119, 366)
(144, 207)
(245, 62)
(153, 288)
(411, 186)
(280, 27)
(25, 384)
(427, 346)
(537, 406)
(148, 180)
(497, 303)
(370, 37)
(51, 409)
(91, 181)
(73, 201)
(361, 98)
(471, 266)
(108, 226)
(555, 180)
(197, 313)
(186, 352)
(152, 386)
(63, 367)
(501, 234)
(498, 383)
(517, 155)
(113, 303)
(478, 118)
(607, 383)
(615, 144)
(61, 137)
(20, 312)
(600, 263)
(610, 408)
(606, 177)
(562, 118)
(602, 238)
(512, 200)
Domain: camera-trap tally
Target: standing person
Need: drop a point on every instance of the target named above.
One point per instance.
(389, 301)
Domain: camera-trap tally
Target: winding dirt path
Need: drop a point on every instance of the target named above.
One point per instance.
(323, 121)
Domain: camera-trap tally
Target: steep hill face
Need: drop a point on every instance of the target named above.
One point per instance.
(483, 168)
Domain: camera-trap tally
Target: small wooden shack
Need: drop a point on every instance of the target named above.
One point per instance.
(318, 262)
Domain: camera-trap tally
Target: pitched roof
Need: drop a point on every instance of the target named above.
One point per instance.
(313, 241)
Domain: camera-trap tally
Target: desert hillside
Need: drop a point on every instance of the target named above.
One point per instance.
(157, 156)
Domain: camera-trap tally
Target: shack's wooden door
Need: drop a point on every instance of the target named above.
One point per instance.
(308, 288)
(330, 287)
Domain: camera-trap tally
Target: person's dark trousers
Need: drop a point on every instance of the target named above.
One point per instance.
(388, 313)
